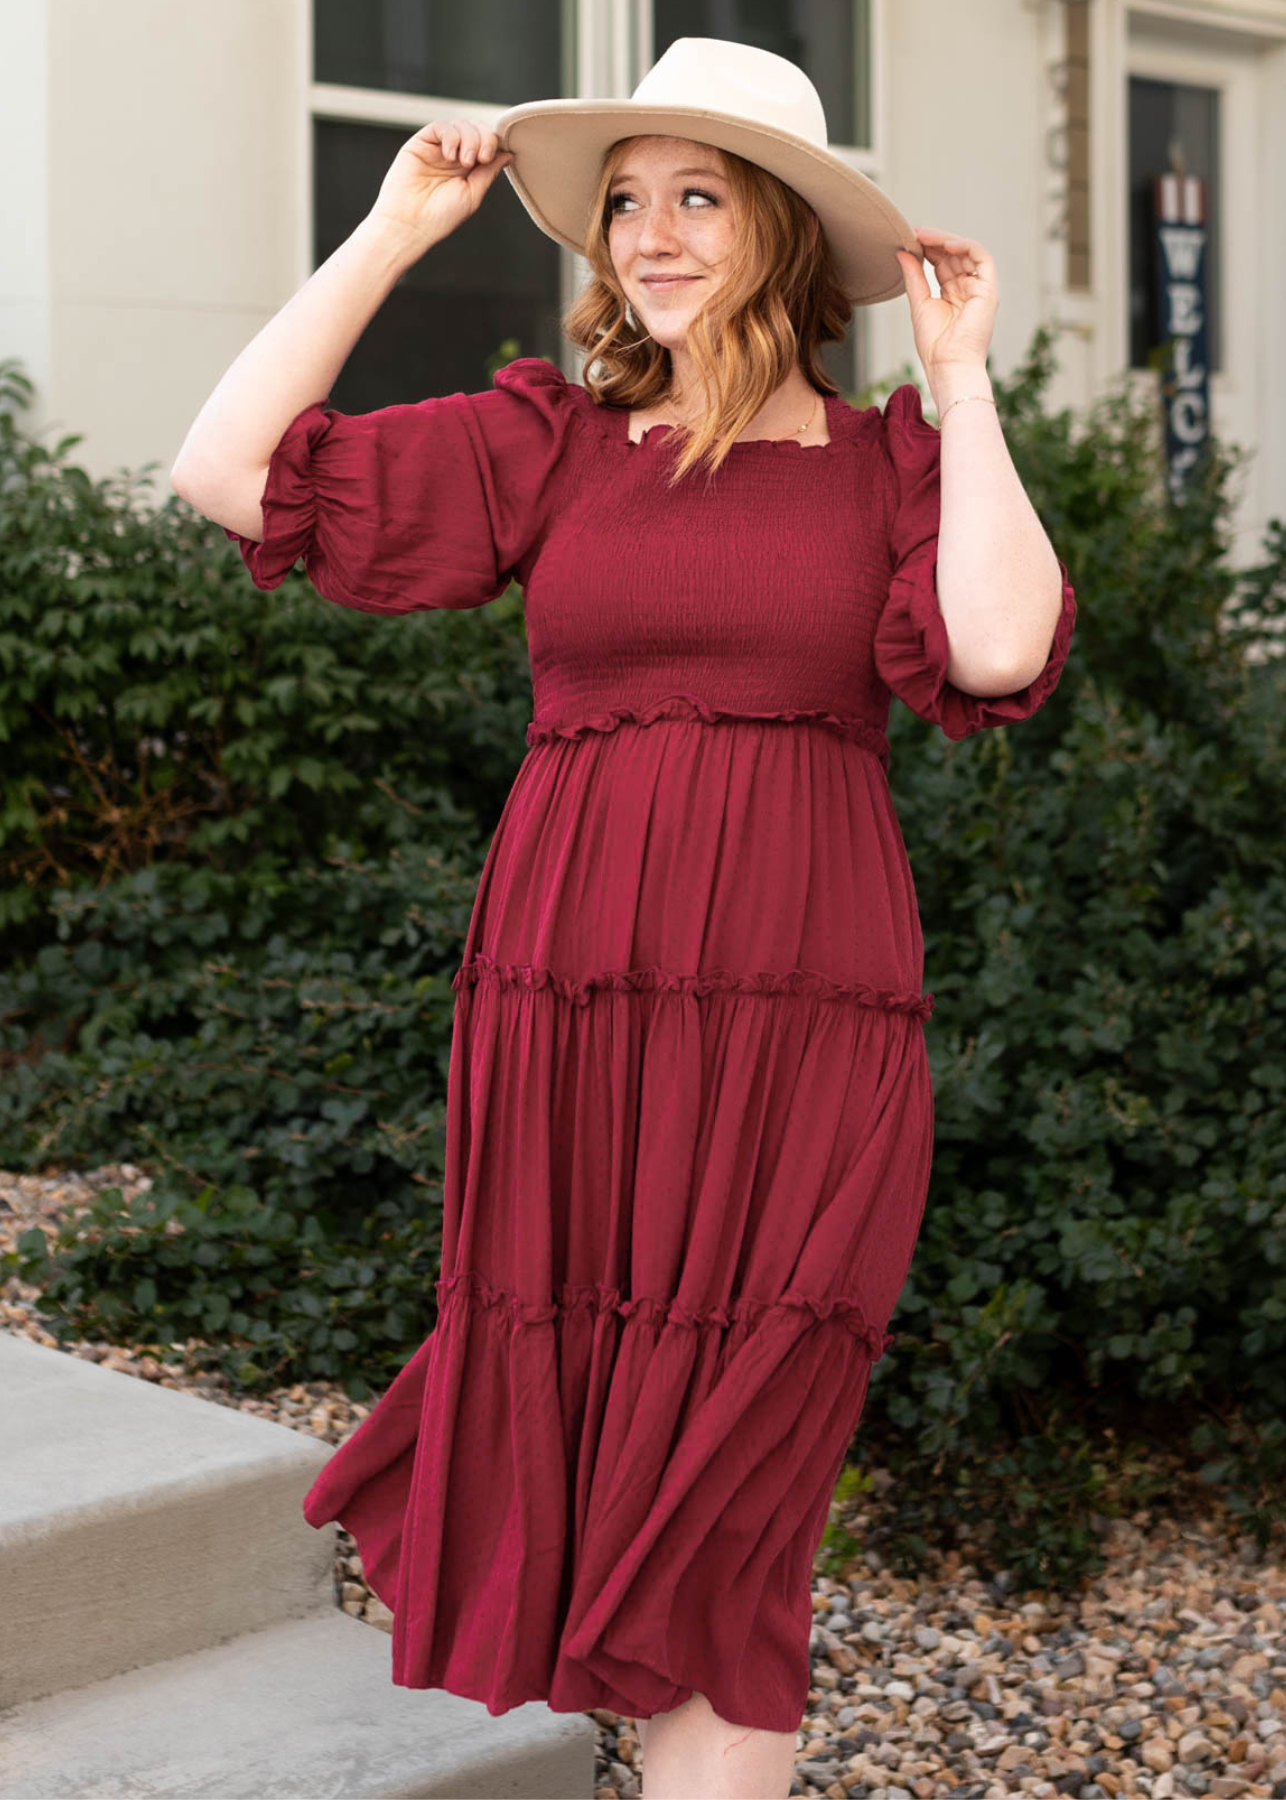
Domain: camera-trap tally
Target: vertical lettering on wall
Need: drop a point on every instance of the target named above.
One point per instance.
(1179, 329)
(1077, 244)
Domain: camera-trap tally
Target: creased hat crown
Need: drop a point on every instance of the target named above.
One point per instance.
(736, 78)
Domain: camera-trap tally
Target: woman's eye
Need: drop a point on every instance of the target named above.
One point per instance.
(616, 200)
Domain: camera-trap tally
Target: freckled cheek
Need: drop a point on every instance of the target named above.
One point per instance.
(711, 242)
(623, 239)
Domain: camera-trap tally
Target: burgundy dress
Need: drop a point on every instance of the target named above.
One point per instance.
(690, 1117)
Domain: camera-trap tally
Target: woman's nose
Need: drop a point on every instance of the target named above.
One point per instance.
(656, 234)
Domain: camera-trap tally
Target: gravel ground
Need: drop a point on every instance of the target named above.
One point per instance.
(1165, 1675)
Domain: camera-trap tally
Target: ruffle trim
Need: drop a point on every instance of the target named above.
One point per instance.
(903, 416)
(913, 651)
(596, 1297)
(912, 648)
(483, 968)
(840, 442)
(289, 504)
(692, 707)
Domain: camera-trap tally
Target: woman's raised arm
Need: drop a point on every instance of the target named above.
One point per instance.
(436, 181)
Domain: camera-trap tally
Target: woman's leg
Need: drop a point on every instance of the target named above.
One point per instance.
(693, 1754)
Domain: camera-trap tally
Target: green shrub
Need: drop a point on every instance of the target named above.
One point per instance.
(1103, 891)
(233, 951)
(156, 707)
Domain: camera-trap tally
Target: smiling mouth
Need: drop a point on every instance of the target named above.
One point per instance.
(662, 281)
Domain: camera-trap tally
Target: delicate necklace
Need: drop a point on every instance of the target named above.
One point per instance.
(795, 433)
(807, 422)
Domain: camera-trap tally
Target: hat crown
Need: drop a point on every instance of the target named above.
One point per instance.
(728, 77)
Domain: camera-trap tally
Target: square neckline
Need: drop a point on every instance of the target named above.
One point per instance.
(831, 402)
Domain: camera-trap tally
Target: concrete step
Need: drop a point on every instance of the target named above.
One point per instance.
(139, 1523)
(305, 1710)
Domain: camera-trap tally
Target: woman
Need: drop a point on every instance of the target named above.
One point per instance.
(690, 1114)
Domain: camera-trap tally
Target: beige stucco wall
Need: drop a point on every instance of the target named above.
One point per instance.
(160, 193)
(963, 121)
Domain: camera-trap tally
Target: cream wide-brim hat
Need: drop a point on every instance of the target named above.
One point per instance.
(752, 102)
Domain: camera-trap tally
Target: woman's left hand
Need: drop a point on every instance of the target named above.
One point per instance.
(956, 328)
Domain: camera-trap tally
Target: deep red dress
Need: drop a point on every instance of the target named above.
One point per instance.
(690, 1117)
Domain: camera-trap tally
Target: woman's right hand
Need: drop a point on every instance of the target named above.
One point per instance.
(438, 178)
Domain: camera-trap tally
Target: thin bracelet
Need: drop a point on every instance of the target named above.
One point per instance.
(958, 399)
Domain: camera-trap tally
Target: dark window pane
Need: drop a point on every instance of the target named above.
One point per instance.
(838, 360)
(487, 293)
(827, 38)
(1166, 115)
(499, 51)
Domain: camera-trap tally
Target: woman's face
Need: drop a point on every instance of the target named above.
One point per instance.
(671, 215)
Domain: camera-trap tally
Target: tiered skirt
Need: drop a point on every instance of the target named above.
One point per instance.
(689, 1133)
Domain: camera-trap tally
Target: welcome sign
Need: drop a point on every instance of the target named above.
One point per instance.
(1179, 202)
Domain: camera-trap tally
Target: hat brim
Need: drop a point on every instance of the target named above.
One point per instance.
(559, 145)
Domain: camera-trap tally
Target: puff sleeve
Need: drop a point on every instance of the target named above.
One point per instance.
(911, 646)
(435, 503)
